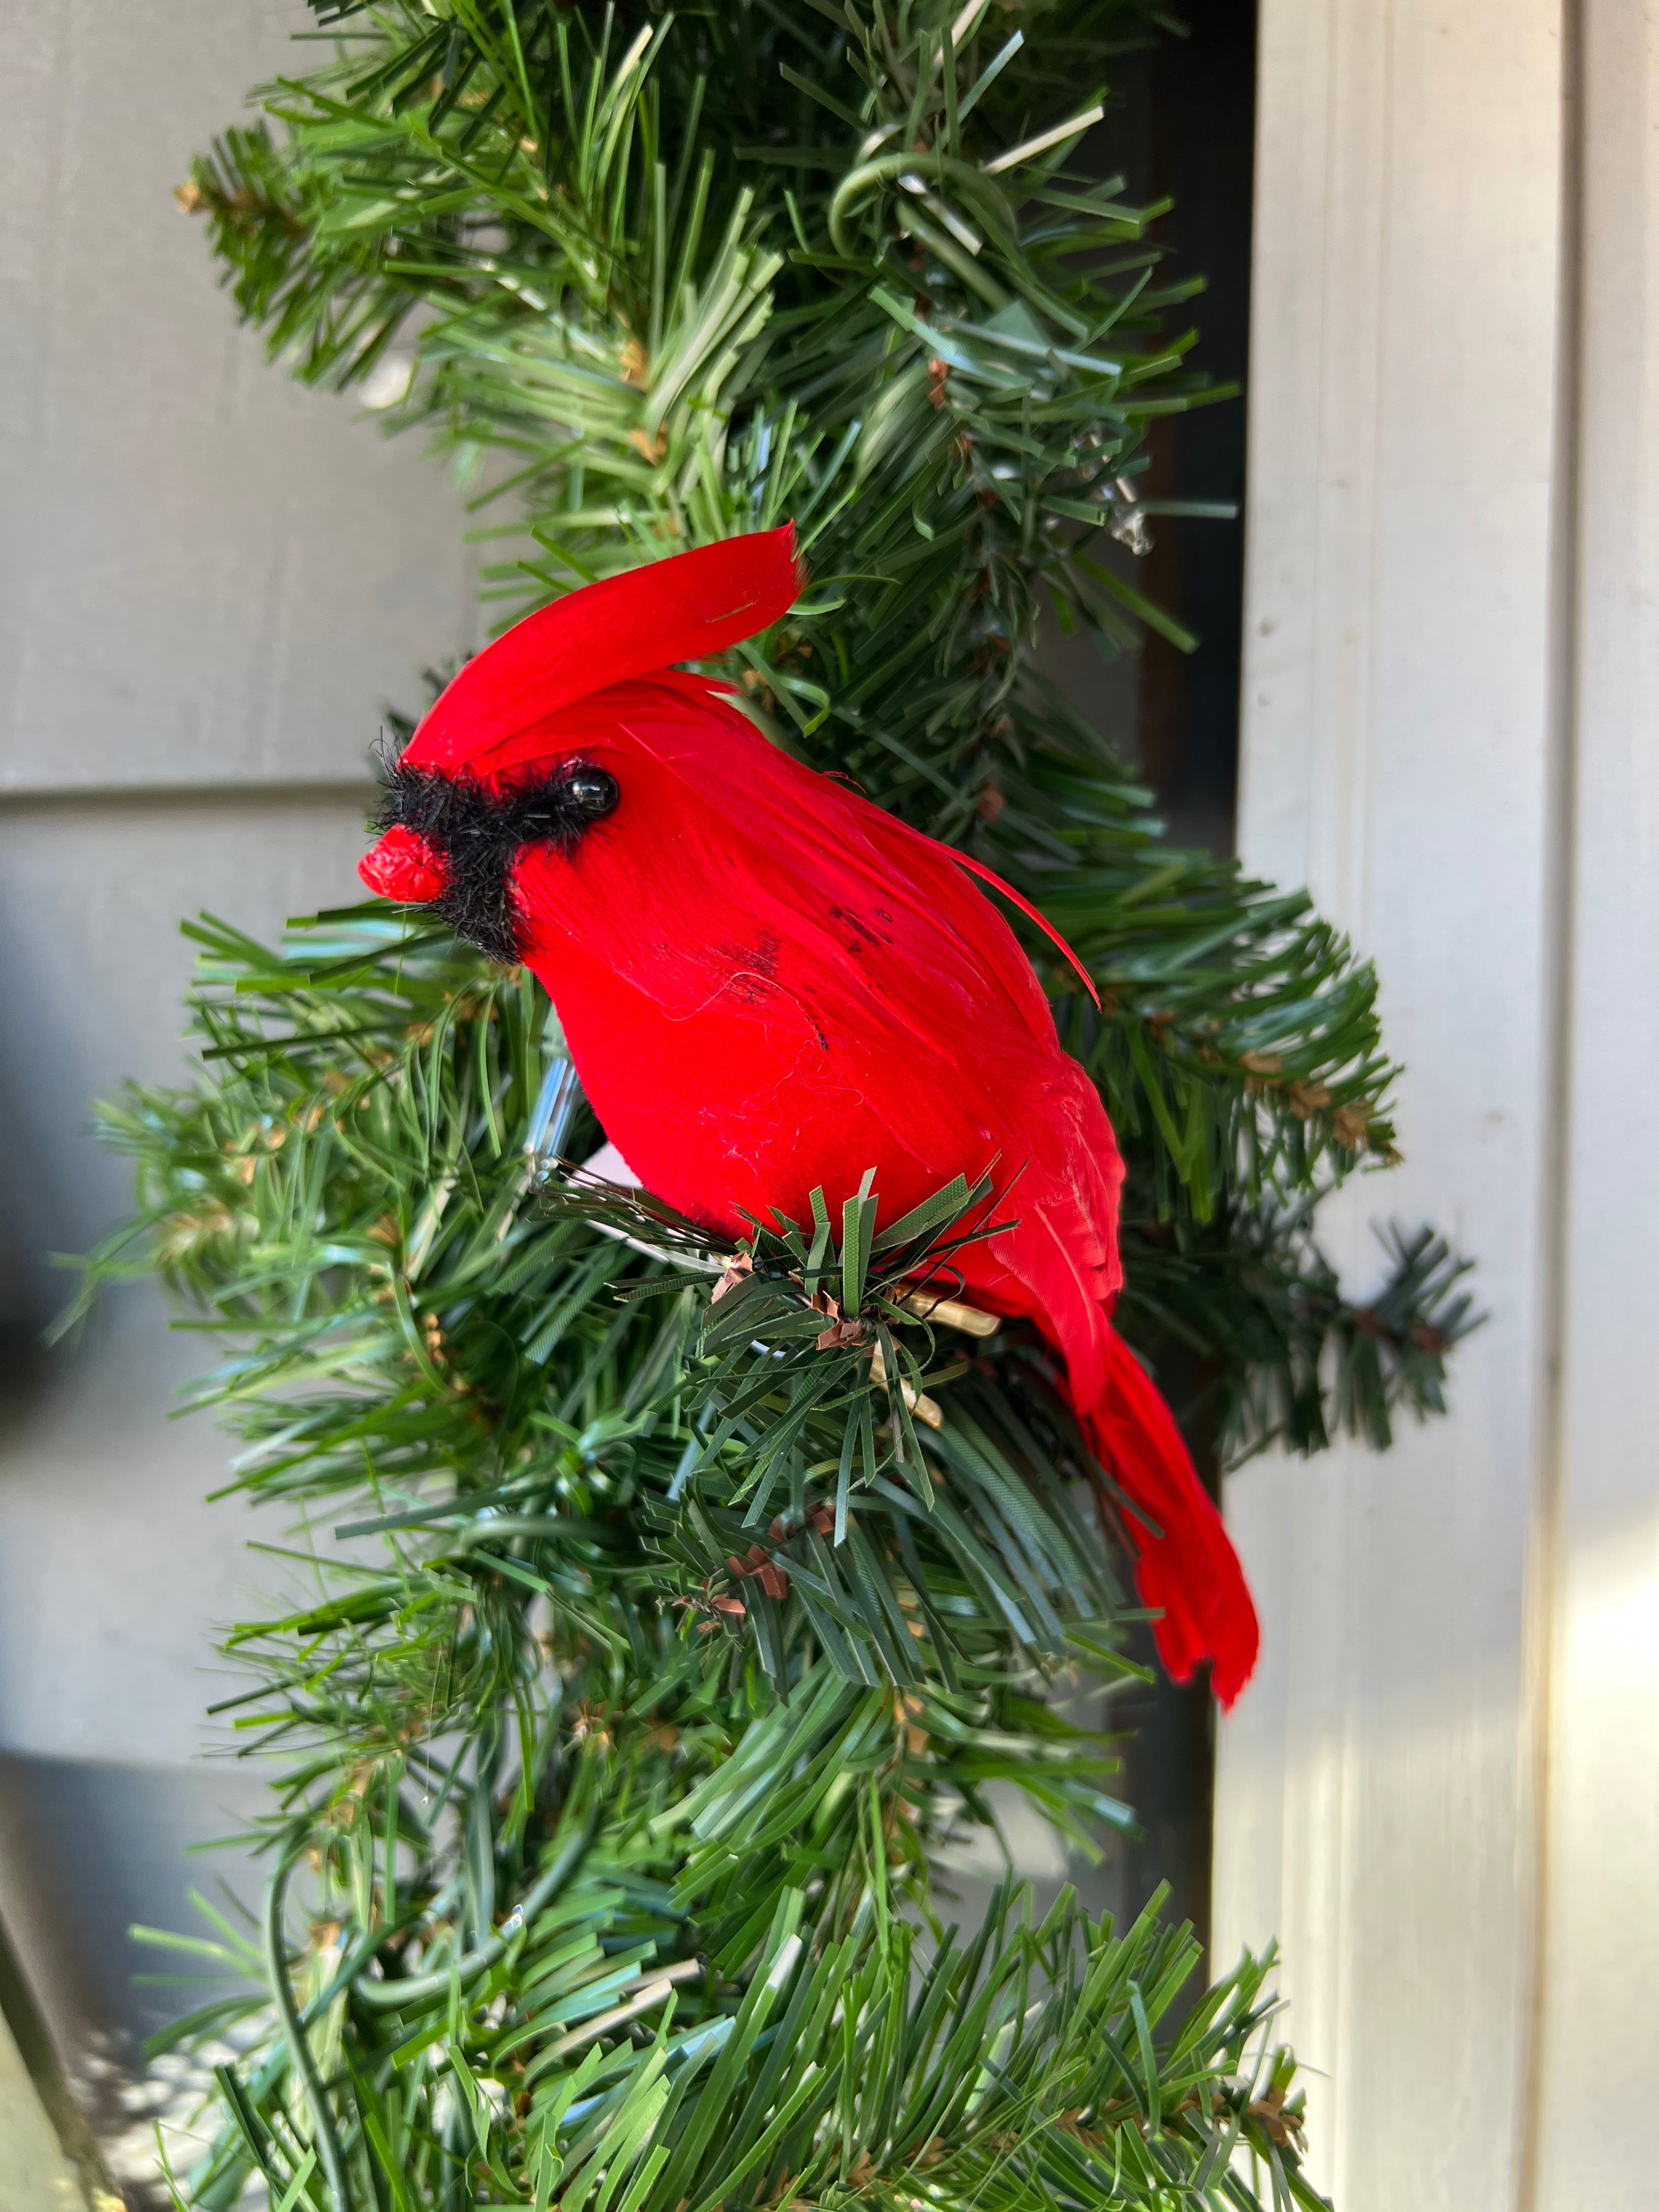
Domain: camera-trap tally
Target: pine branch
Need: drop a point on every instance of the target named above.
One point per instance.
(430, 1331)
(1039, 2065)
(657, 1606)
(1294, 1361)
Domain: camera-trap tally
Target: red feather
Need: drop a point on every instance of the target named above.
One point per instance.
(990, 876)
(688, 608)
(768, 983)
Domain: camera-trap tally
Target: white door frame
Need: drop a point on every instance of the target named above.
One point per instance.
(1442, 1792)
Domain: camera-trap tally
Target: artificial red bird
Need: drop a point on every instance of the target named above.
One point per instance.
(768, 984)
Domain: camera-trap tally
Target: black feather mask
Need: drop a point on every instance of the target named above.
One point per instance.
(479, 833)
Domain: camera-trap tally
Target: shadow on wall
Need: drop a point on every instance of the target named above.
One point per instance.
(86, 1850)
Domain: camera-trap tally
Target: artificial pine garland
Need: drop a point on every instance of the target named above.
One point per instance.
(646, 1642)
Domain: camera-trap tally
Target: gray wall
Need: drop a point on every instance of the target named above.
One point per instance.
(211, 581)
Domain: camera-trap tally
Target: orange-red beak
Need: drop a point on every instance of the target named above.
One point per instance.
(404, 866)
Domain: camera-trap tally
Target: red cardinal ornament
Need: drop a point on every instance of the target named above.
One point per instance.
(768, 984)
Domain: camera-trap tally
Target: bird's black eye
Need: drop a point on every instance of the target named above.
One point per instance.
(594, 791)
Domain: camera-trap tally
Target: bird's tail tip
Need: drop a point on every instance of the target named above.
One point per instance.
(1185, 1562)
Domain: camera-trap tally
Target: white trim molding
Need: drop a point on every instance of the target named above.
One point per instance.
(1442, 1792)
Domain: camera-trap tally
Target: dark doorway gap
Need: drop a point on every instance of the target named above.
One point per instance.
(1183, 125)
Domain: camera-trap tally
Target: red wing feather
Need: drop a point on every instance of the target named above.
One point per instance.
(990, 876)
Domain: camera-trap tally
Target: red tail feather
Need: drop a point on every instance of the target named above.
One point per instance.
(1189, 1568)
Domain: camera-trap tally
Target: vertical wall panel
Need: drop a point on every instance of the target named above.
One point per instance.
(1599, 2047)
(1374, 1789)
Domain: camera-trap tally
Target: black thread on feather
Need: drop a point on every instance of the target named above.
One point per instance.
(478, 833)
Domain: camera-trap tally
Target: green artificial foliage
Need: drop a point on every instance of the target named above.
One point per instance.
(643, 1635)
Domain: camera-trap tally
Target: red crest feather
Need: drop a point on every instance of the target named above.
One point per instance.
(687, 608)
